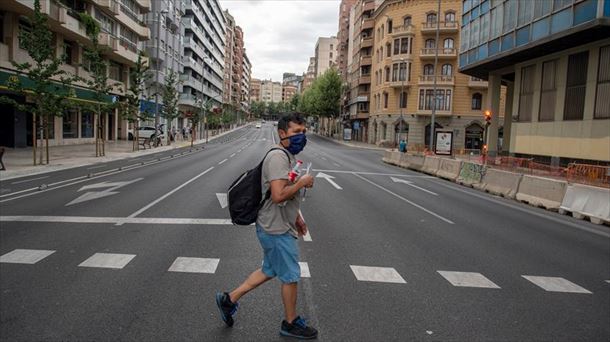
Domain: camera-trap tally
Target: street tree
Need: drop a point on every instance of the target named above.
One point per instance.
(98, 67)
(257, 108)
(328, 88)
(130, 108)
(45, 86)
(170, 98)
(294, 102)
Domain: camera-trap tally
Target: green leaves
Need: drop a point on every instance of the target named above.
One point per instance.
(324, 95)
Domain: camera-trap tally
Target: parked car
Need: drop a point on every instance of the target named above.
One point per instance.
(144, 132)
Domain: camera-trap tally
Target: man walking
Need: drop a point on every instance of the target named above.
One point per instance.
(278, 225)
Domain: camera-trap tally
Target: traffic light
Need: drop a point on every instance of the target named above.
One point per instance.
(488, 117)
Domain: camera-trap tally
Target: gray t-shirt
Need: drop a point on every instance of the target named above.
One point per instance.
(278, 218)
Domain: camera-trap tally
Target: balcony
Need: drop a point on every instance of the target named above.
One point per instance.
(444, 27)
(191, 63)
(366, 60)
(440, 80)
(366, 42)
(399, 31)
(368, 6)
(191, 44)
(190, 81)
(111, 7)
(402, 57)
(477, 83)
(144, 4)
(398, 84)
(364, 79)
(136, 25)
(126, 52)
(368, 23)
(109, 41)
(442, 53)
(188, 100)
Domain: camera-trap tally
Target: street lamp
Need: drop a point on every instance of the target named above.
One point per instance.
(438, 13)
(157, 116)
(401, 97)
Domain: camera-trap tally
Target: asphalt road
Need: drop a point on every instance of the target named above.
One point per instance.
(393, 255)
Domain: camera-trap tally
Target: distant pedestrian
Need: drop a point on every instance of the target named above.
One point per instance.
(278, 225)
(183, 133)
(402, 146)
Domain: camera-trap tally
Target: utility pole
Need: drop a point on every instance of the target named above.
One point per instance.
(438, 22)
(401, 97)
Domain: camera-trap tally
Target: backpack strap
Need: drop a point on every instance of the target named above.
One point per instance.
(268, 193)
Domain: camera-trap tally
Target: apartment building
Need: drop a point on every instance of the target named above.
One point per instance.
(325, 54)
(343, 36)
(204, 54)
(310, 75)
(404, 74)
(245, 83)
(165, 52)
(271, 91)
(255, 90)
(288, 92)
(235, 65)
(360, 47)
(554, 59)
(123, 31)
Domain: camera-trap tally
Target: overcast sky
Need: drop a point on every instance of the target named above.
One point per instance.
(280, 35)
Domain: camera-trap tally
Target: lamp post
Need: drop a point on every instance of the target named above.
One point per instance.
(438, 13)
(157, 116)
(401, 97)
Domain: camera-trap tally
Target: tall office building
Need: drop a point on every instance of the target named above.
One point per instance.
(325, 54)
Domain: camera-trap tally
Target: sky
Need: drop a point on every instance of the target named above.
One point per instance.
(280, 35)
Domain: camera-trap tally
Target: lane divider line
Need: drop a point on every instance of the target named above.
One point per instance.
(221, 162)
(231, 156)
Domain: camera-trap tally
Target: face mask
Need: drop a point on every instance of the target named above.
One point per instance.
(297, 143)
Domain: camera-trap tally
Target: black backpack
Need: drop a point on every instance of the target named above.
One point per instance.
(245, 194)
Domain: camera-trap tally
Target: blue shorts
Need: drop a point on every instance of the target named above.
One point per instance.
(281, 256)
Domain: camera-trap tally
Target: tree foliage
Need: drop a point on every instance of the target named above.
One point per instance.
(170, 98)
(130, 107)
(323, 98)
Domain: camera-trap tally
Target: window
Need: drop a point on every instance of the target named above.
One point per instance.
(388, 49)
(525, 13)
(465, 38)
(24, 26)
(402, 102)
(431, 18)
(70, 124)
(443, 99)
(602, 100)
(447, 70)
(330, 55)
(389, 26)
(448, 43)
(526, 94)
(402, 75)
(430, 44)
(396, 46)
(385, 100)
(496, 22)
(404, 45)
(477, 101)
(548, 91)
(484, 28)
(106, 24)
(331, 46)
(406, 21)
(69, 52)
(115, 71)
(86, 126)
(428, 69)
(576, 86)
(510, 16)
(387, 74)
(394, 72)
(450, 17)
(542, 8)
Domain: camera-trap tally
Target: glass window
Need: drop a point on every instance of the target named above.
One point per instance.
(407, 21)
(404, 45)
(576, 86)
(466, 6)
(477, 101)
(465, 38)
(465, 18)
(474, 32)
(474, 13)
(473, 55)
(510, 16)
(394, 72)
(484, 7)
(540, 29)
(602, 100)
(548, 91)
(496, 22)
(526, 93)
(396, 46)
(463, 60)
(431, 18)
(586, 11)
(428, 69)
(388, 49)
(430, 44)
(389, 26)
(523, 35)
(402, 75)
(559, 4)
(448, 43)
(542, 8)
(450, 17)
(403, 100)
(483, 51)
(561, 21)
(525, 13)
(86, 125)
(385, 100)
(484, 28)
(70, 124)
(508, 42)
(447, 70)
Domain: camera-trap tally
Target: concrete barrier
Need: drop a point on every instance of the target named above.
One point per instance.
(449, 169)
(404, 160)
(502, 183)
(395, 160)
(431, 165)
(542, 192)
(415, 162)
(387, 155)
(587, 201)
(471, 173)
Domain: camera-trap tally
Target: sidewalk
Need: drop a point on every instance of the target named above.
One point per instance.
(356, 144)
(18, 161)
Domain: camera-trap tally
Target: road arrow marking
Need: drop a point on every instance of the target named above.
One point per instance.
(222, 199)
(329, 178)
(91, 195)
(409, 183)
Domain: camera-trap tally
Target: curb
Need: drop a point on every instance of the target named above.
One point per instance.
(350, 145)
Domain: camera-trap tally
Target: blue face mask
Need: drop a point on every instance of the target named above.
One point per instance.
(297, 143)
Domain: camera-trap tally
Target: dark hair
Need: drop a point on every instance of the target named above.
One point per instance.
(286, 118)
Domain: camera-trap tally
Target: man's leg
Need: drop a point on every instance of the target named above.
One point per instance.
(255, 279)
(289, 297)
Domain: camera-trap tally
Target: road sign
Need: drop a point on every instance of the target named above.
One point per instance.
(91, 195)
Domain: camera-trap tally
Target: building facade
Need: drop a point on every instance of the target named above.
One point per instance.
(288, 92)
(310, 75)
(164, 50)
(404, 74)
(343, 36)
(245, 83)
(204, 55)
(255, 90)
(271, 91)
(237, 66)
(123, 30)
(325, 54)
(554, 58)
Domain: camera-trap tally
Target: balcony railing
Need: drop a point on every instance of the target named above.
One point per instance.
(474, 82)
(366, 42)
(440, 79)
(443, 26)
(442, 52)
(403, 30)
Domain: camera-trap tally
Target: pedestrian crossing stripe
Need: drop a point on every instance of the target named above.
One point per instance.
(468, 279)
(377, 274)
(108, 260)
(194, 265)
(304, 270)
(25, 256)
(556, 284)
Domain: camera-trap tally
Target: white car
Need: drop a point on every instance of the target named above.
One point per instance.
(259, 125)
(144, 132)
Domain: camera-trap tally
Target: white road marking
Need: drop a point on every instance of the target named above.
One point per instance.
(222, 199)
(29, 180)
(329, 179)
(323, 158)
(96, 167)
(221, 162)
(608, 281)
(304, 270)
(409, 183)
(25, 256)
(126, 220)
(148, 206)
(91, 195)
(337, 164)
(406, 200)
(373, 173)
(468, 279)
(194, 265)
(377, 274)
(231, 156)
(307, 237)
(556, 284)
(108, 260)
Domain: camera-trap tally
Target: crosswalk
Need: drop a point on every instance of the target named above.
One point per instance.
(361, 273)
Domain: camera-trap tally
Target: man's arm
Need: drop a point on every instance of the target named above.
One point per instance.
(282, 190)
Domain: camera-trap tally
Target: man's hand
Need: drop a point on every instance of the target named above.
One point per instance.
(306, 181)
(301, 225)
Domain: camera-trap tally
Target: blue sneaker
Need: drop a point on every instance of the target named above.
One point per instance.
(226, 307)
(298, 329)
